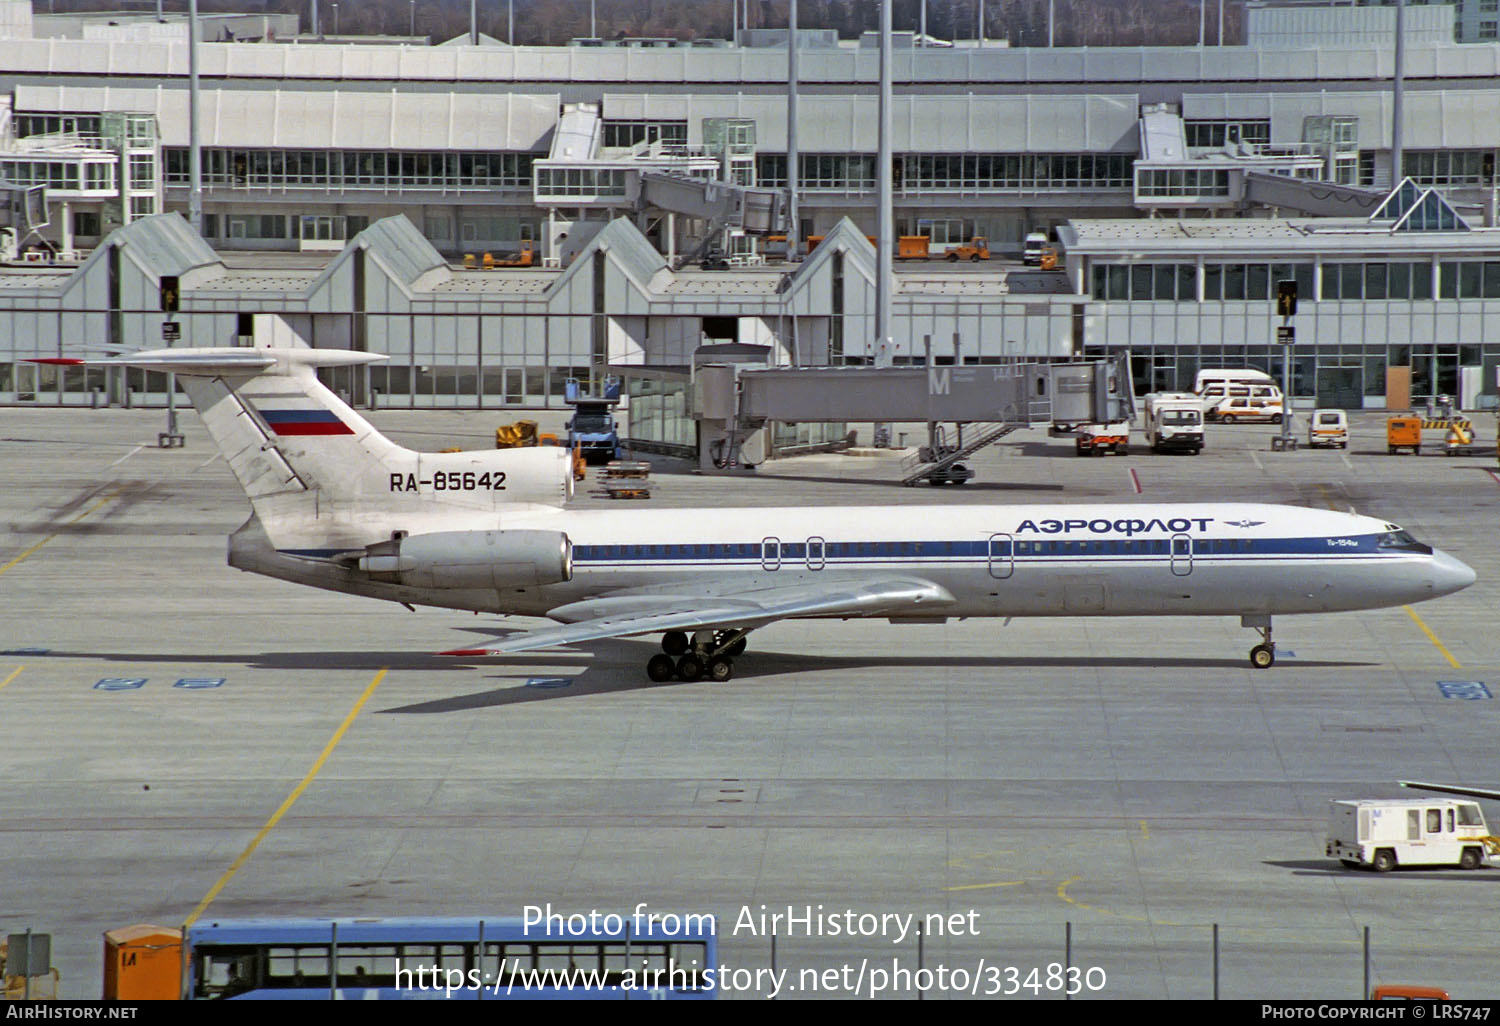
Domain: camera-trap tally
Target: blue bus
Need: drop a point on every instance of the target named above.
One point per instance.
(605, 957)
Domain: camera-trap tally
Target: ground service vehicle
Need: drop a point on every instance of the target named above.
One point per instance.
(1328, 428)
(977, 248)
(1098, 439)
(1211, 376)
(1388, 832)
(1403, 431)
(625, 955)
(1031, 249)
(1174, 422)
(1240, 409)
(1236, 403)
(591, 430)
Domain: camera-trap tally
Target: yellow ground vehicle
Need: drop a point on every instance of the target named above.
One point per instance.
(977, 248)
(1403, 431)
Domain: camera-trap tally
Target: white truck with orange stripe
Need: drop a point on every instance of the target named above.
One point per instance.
(1383, 834)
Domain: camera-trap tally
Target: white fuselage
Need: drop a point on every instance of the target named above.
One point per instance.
(1100, 560)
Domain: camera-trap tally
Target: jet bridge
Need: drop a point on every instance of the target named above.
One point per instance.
(733, 401)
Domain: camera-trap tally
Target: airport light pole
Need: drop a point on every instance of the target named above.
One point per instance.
(793, 231)
(885, 240)
(412, 28)
(1398, 97)
(335, 19)
(195, 147)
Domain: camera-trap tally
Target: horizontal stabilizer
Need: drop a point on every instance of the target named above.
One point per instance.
(236, 360)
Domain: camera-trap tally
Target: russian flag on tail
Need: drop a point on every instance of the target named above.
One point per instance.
(306, 422)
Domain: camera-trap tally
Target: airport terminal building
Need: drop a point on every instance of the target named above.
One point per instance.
(1177, 182)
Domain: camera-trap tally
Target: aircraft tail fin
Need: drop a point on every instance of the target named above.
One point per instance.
(297, 448)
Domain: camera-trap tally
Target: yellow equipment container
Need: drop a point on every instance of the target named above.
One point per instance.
(1403, 431)
(142, 963)
(912, 247)
(515, 436)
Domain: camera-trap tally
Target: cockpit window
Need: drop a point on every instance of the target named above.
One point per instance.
(1399, 539)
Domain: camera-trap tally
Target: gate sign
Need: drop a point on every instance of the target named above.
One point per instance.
(1285, 334)
(171, 331)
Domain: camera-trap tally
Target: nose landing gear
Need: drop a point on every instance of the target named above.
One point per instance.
(708, 654)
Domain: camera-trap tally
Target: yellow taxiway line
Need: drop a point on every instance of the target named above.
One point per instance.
(1432, 637)
(281, 811)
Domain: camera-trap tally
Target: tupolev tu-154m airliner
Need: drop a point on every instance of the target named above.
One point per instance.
(338, 506)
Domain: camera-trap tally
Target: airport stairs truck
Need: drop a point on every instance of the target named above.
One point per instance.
(1174, 422)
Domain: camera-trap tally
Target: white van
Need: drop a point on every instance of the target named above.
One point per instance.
(1031, 249)
(1384, 833)
(1328, 428)
(1174, 420)
(1234, 404)
(1220, 376)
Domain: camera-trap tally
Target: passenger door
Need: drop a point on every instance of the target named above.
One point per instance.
(1002, 556)
(1182, 555)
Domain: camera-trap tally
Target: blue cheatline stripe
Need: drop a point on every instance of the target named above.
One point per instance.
(300, 417)
(1202, 548)
(925, 552)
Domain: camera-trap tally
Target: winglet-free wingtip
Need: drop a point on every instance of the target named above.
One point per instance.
(467, 652)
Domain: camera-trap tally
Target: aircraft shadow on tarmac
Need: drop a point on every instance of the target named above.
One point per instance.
(1331, 867)
(610, 667)
(615, 667)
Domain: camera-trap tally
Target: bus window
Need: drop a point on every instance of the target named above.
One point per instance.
(1434, 821)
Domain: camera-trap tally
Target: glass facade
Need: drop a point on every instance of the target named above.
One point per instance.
(933, 172)
(352, 169)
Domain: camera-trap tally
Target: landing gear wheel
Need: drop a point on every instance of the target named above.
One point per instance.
(1470, 859)
(689, 668)
(674, 643)
(1262, 657)
(1384, 861)
(720, 669)
(661, 668)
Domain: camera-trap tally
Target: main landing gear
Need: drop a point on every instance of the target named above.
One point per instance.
(708, 654)
(1262, 656)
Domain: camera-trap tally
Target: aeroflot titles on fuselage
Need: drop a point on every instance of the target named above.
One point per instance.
(1105, 526)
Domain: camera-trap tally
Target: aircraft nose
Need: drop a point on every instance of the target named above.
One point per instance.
(1448, 574)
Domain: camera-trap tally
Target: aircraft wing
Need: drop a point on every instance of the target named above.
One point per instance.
(625, 616)
(1467, 792)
